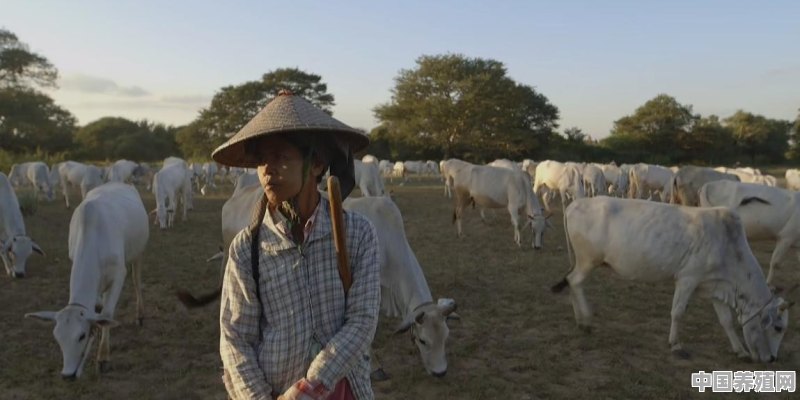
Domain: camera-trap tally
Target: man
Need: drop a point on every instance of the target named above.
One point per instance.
(288, 330)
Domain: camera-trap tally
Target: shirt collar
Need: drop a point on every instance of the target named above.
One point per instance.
(317, 227)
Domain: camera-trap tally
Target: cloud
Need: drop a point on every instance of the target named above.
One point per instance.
(782, 73)
(97, 85)
(187, 99)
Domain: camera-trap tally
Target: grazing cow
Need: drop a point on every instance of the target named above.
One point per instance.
(566, 178)
(108, 231)
(646, 179)
(688, 180)
(768, 213)
(449, 169)
(700, 248)
(369, 158)
(404, 290)
(15, 245)
(75, 174)
(36, 174)
(492, 187)
(368, 179)
(171, 183)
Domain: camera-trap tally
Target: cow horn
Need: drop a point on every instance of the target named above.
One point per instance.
(153, 211)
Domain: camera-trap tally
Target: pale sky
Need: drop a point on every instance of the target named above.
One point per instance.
(595, 60)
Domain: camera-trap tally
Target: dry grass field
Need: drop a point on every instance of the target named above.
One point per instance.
(515, 340)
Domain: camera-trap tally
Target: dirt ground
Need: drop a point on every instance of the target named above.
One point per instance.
(515, 339)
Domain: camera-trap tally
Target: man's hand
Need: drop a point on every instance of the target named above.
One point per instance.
(305, 390)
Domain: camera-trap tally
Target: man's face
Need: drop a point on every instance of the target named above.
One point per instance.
(280, 169)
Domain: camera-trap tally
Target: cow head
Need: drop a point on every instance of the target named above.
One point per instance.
(75, 330)
(764, 331)
(15, 252)
(429, 331)
(539, 223)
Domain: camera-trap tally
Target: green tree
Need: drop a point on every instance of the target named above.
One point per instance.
(30, 120)
(468, 107)
(233, 106)
(656, 127)
(708, 142)
(21, 67)
(575, 135)
(114, 138)
(758, 135)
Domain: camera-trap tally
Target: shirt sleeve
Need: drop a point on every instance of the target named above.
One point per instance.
(240, 312)
(352, 341)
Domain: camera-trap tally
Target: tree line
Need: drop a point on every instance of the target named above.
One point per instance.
(448, 105)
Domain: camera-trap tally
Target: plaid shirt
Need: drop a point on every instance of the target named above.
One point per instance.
(267, 347)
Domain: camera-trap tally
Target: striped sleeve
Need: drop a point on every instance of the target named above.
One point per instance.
(240, 312)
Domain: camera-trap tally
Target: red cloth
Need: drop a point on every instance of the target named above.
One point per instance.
(342, 391)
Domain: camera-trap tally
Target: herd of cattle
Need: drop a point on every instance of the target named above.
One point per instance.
(647, 222)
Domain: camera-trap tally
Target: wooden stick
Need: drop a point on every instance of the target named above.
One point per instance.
(339, 235)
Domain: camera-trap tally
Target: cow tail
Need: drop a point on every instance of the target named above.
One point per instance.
(558, 287)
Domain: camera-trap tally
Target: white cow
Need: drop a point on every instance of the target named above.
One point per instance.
(449, 168)
(646, 180)
(171, 185)
(74, 174)
(36, 174)
(404, 290)
(124, 171)
(368, 179)
(793, 179)
(768, 213)
(15, 245)
(565, 178)
(688, 180)
(700, 248)
(209, 172)
(505, 163)
(108, 231)
(492, 187)
(369, 158)
(594, 181)
(386, 167)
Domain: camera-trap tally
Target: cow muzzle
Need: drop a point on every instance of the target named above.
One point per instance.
(439, 374)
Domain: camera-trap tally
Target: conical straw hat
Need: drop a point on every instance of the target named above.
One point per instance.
(286, 113)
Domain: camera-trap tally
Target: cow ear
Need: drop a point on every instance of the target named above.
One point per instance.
(103, 322)
(403, 327)
(42, 315)
(453, 316)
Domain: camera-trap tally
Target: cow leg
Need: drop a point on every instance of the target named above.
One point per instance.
(781, 248)
(726, 320)
(64, 191)
(461, 202)
(110, 299)
(136, 277)
(680, 300)
(514, 211)
(6, 261)
(583, 313)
